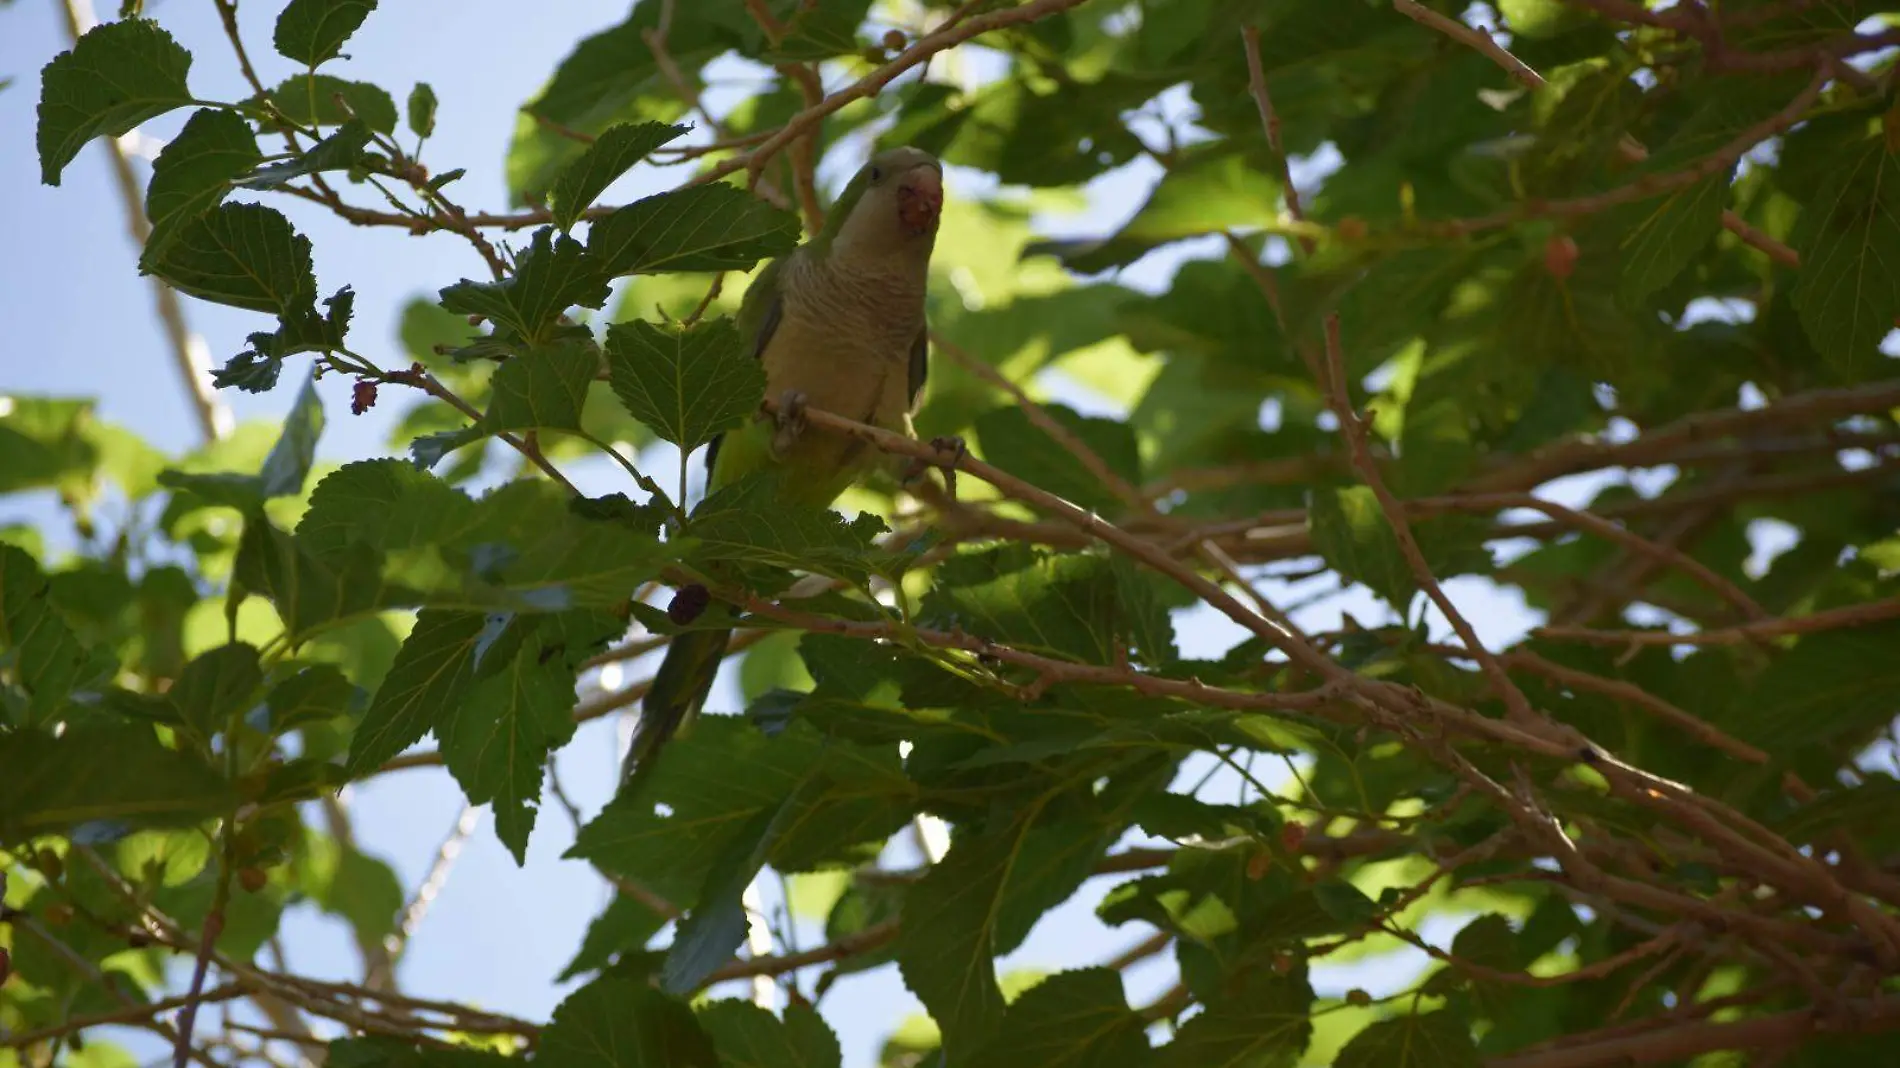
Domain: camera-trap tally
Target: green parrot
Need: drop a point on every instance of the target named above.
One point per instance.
(838, 324)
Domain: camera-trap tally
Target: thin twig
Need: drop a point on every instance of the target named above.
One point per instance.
(1353, 430)
(1856, 615)
(1700, 729)
(1697, 570)
(848, 946)
(445, 857)
(129, 1014)
(1669, 939)
(207, 944)
(923, 48)
(1039, 417)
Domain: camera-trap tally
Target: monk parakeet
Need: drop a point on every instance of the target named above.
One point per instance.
(838, 324)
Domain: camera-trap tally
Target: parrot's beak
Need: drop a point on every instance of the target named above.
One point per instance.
(920, 198)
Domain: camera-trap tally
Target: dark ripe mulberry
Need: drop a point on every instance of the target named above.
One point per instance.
(362, 397)
(688, 604)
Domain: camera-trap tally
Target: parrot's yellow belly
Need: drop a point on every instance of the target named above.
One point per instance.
(866, 382)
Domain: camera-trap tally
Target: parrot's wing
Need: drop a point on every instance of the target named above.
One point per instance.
(919, 365)
(759, 314)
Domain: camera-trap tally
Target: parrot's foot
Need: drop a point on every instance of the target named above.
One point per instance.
(950, 451)
(788, 421)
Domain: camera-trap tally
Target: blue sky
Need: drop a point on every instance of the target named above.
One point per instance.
(80, 323)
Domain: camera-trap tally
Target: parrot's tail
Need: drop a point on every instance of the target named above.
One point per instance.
(679, 688)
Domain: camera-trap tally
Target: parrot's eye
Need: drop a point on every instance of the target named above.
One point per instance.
(877, 173)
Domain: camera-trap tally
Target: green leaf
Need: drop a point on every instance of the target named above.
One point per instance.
(718, 923)
(1265, 1021)
(1144, 615)
(946, 944)
(688, 384)
(194, 172)
(497, 737)
(1013, 443)
(719, 774)
(612, 77)
(429, 449)
(341, 151)
(312, 100)
(283, 471)
(216, 687)
(1536, 19)
(1212, 190)
(45, 443)
(308, 592)
(540, 549)
(1832, 688)
(1344, 902)
(1351, 533)
(625, 925)
(611, 155)
(862, 907)
(617, 1023)
(544, 389)
(384, 1052)
(243, 255)
(114, 773)
(312, 32)
(431, 676)
(1848, 290)
(301, 329)
(1075, 1019)
(820, 31)
(362, 890)
(117, 76)
(1062, 604)
(315, 694)
(1439, 1039)
(421, 110)
(553, 275)
(165, 597)
(747, 1036)
(749, 522)
(714, 227)
(48, 660)
(523, 546)
(1659, 238)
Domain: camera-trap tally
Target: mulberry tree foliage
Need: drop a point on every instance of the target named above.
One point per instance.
(1578, 308)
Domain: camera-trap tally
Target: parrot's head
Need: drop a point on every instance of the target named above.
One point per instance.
(892, 206)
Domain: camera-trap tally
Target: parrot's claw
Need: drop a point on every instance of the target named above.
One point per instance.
(950, 451)
(789, 421)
